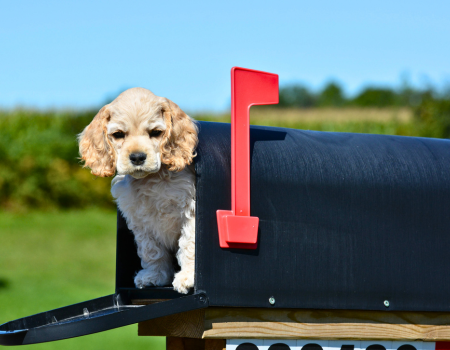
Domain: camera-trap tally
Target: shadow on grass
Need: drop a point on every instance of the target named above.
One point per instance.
(4, 283)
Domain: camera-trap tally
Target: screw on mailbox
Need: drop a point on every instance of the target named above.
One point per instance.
(386, 303)
(272, 300)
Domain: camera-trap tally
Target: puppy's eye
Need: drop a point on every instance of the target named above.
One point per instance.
(119, 135)
(155, 133)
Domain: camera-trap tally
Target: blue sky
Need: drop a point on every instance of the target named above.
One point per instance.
(57, 54)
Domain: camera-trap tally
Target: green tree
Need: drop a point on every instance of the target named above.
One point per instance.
(434, 115)
(296, 96)
(376, 97)
(331, 96)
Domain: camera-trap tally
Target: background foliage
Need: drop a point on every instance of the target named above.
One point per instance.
(332, 95)
(39, 165)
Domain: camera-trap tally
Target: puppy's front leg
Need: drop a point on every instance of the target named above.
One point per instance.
(184, 280)
(156, 262)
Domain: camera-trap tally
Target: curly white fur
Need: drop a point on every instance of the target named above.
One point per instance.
(156, 194)
(160, 210)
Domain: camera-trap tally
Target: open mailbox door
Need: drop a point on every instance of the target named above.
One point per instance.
(91, 316)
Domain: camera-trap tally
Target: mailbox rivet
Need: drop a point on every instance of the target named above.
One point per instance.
(272, 300)
(386, 303)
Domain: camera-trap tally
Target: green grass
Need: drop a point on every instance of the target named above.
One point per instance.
(54, 259)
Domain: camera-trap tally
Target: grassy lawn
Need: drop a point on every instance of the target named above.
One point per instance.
(53, 259)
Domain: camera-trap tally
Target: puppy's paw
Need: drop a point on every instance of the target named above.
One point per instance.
(183, 282)
(146, 278)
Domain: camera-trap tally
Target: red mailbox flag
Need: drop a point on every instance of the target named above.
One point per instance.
(237, 229)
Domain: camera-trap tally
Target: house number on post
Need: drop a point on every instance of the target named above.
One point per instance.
(304, 344)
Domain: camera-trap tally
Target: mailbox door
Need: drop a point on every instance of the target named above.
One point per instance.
(89, 317)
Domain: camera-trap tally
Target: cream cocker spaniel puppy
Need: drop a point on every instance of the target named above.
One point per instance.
(149, 141)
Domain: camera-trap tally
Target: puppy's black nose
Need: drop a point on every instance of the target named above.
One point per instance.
(138, 158)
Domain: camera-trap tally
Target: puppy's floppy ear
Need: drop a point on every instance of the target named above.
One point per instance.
(179, 139)
(95, 148)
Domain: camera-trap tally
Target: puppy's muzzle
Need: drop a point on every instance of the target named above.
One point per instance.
(138, 158)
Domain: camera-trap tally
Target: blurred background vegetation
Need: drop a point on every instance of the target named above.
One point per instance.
(57, 221)
(39, 168)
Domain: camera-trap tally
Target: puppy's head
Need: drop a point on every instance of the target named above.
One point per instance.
(137, 133)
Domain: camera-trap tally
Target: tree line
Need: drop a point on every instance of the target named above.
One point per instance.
(332, 95)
